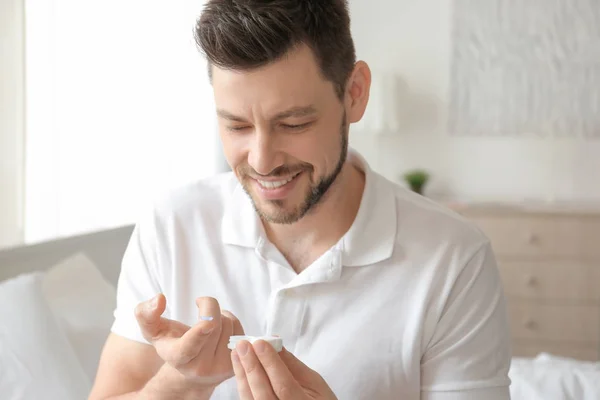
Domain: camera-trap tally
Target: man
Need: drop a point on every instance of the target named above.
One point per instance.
(379, 292)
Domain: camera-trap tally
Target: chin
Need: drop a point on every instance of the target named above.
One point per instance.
(277, 213)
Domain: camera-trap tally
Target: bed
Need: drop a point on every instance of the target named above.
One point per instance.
(56, 309)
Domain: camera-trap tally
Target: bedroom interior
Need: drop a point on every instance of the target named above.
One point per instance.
(512, 143)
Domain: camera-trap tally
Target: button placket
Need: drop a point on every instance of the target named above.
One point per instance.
(288, 303)
(286, 316)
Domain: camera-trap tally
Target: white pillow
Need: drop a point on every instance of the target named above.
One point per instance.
(566, 362)
(36, 359)
(83, 302)
(554, 378)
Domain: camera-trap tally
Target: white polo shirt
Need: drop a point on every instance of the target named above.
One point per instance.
(407, 305)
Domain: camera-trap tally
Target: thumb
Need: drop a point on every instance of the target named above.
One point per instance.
(148, 315)
(306, 377)
(298, 369)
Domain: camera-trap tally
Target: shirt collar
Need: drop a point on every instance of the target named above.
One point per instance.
(370, 239)
(372, 236)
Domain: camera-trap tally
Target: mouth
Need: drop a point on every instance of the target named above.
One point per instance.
(271, 185)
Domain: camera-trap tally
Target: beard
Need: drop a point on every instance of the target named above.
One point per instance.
(315, 192)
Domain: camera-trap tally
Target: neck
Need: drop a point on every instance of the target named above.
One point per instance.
(324, 225)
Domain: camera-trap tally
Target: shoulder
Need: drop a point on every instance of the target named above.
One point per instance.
(430, 222)
(431, 234)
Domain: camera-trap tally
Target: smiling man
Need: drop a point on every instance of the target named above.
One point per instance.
(377, 293)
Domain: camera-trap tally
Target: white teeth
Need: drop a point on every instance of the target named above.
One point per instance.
(274, 184)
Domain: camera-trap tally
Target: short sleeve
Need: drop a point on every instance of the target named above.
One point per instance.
(138, 280)
(469, 355)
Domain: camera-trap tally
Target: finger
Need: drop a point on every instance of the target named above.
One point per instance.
(203, 336)
(240, 377)
(237, 325)
(208, 308)
(221, 350)
(148, 317)
(209, 315)
(282, 380)
(230, 324)
(152, 325)
(257, 378)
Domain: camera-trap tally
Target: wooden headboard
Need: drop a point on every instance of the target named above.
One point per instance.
(104, 248)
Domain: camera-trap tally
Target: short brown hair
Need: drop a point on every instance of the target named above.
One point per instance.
(247, 34)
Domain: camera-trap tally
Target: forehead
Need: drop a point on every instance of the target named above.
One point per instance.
(293, 79)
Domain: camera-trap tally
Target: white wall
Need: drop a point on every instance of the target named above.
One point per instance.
(120, 110)
(412, 37)
(11, 122)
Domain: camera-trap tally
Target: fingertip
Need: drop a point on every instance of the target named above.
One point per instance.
(159, 304)
(261, 346)
(149, 309)
(206, 299)
(154, 302)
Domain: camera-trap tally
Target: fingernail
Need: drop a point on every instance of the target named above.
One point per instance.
(206, 318)
(242, 348)
(259, 346)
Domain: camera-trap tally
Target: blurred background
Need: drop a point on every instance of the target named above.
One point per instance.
(105, 105)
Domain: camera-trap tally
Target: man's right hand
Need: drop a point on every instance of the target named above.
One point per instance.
(199, 352)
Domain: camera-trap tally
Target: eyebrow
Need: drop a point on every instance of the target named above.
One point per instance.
(227, 115)
(292, 112)
(296, 112)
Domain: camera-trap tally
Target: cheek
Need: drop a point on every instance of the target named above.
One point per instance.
(302, 147)
(233, 149)
(328, 143)
(320, 150)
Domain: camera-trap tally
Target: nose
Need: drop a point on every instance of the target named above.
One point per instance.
(264, 155)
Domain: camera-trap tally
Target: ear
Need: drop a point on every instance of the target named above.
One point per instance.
(357, 91)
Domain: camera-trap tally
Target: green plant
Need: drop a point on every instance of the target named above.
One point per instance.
(416, 179)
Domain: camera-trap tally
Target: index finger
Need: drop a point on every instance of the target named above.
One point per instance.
(203, 336)
(283, 382)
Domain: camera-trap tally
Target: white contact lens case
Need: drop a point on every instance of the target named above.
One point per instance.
(274, 341)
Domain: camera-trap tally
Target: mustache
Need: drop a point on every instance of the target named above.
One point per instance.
(283, 170)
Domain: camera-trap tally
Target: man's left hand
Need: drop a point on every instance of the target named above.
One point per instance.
(264, 374)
